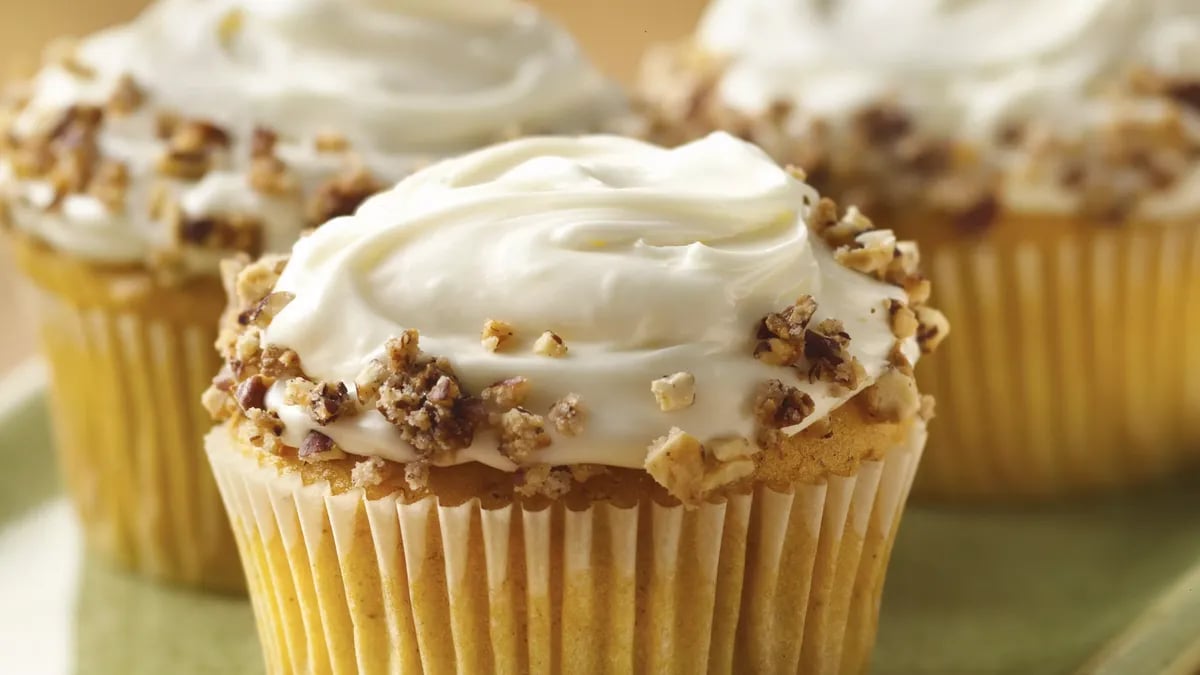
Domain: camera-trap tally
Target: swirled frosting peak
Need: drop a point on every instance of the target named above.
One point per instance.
(644, 261)
(336, 85)
(392, 75)
(976, 63)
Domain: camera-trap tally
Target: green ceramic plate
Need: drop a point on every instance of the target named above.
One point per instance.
(1109, 586)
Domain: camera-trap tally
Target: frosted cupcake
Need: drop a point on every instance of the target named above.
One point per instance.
(1046, 158)
(564, 405)
(144, 154)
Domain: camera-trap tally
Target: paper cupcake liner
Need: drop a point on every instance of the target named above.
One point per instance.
(125, 384)
(766, 582)
(1074, 364)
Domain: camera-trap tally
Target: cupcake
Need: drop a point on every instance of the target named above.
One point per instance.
(141, 156)
(571, 405)
(1046, 158)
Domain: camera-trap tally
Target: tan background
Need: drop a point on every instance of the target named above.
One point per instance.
(614, 32)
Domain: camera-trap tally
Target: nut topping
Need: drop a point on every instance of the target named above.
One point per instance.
(674, 392)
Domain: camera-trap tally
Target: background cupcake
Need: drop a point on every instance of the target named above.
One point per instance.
(1046, 157)
(140, 156)
(564, 405)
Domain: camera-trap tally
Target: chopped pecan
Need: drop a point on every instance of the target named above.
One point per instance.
(341, 195)
(110, 185)
(278, 362)
(262, 142)
(265, 310)
(368, 381)
(826, 347)
(850, 226)
(328, 141)
(252, 393)
(317, 447)
(869, 253)
(781, 334)
(328, 402)
(261, 429)
(903, 319)
(674, 392)
(270, 176)
(893, 397)
(126, 97)
(933, 328)
(550, 344)
(779, 406)
(495, 334)
(676, 462)
(402, 351)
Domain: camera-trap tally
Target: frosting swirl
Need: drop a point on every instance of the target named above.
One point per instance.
(399, 80)
(970, 65)
(646, 261)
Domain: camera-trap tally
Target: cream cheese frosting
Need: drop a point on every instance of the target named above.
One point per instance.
(646, 261)
(971, 71)
(965, 64)
(401, 80)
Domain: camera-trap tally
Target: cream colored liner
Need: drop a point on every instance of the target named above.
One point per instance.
(1075, 363)
(129, 426)
(765, 582)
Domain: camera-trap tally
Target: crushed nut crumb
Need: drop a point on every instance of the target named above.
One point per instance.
(568, 415)
(522, 434)
(424, 400)
(416, 476)
(368, 472)
(543, 480)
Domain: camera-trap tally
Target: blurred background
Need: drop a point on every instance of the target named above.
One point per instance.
(614, 33)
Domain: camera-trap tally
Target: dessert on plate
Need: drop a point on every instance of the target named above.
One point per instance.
(140, 156)
(572, 404)
(1048, 160)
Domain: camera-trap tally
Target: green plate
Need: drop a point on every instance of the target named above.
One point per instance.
(1107, 586)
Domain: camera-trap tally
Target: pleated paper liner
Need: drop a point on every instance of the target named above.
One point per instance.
(1074, 364)
(128, 360)
(765, 582)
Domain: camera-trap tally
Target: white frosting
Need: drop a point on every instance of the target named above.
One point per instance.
(402, 80)
(646, 262)
(965, 64)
